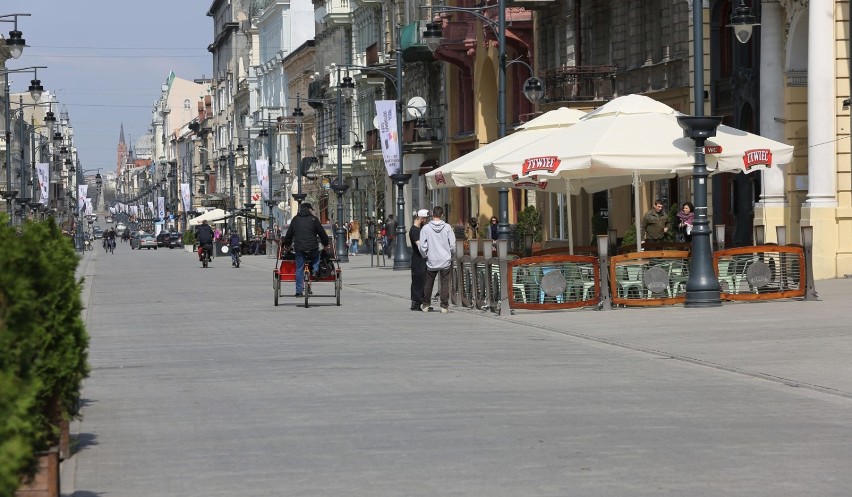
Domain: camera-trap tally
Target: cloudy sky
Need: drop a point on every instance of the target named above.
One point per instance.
(106, 61)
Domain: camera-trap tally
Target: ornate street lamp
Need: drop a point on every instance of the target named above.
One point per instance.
(743, 22)
(533, 87)
(299, 117)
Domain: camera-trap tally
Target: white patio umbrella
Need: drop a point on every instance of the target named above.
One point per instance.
(634, 136)
(468, 170)
(214, 216)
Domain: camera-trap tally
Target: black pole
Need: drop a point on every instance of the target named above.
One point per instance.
(702, 287)
(401, 253)
(299, 197)
(249, 204)
(503, 231)
(231, 182)
(339, 188)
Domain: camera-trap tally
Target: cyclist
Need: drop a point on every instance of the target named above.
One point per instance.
(234, 245)
(304, 232)
(204, 236)
(111, 240)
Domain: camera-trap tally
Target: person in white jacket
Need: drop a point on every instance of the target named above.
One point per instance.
(437, 245)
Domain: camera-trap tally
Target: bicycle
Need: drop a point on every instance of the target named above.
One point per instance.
(235, 257)
(206, 255)
(286, 271)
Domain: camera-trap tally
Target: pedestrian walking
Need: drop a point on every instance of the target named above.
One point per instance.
(390, 236)
(437, 245)
(354, 237)
(418, 263)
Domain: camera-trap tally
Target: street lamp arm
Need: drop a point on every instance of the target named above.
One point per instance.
(474, 11)
(368, 68)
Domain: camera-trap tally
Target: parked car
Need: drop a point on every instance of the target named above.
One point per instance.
(164, 239)
(97, 232)
(175, 240)
(143, 240)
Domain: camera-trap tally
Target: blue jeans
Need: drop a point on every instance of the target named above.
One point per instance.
(353, 246)
(234, 252)
(300, 267)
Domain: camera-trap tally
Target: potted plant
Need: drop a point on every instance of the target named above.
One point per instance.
(528, 230)
(189, 240)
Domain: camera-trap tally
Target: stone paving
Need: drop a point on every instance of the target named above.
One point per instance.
(201, 387)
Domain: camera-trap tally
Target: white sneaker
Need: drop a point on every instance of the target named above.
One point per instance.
(424, 307)
(444, 310)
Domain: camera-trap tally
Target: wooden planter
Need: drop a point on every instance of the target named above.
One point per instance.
(64, 440)
(45, 483)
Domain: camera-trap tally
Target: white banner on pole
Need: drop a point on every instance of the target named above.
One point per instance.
(262, 166)
(161, 208)
(151, 208)
(43, 171)
(82, 190)
(133, 210)
(89, 210)
(386, 113)
(184, 195)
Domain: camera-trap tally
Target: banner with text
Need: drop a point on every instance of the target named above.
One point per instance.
(262, 166)
(43, 171)
(151, 208)
(89, 210)
(386, 114)
(161, 207)
(82, 190)
(184, 195)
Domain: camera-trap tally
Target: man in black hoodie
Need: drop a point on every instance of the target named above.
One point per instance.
(305, 233)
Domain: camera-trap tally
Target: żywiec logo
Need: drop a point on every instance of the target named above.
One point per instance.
(758, 157)
(535, 164)
(531, 182)
(439, 178)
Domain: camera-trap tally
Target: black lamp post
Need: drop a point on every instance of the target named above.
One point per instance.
(401, 252)
(299, 116)
(341, 252)
(702, 287)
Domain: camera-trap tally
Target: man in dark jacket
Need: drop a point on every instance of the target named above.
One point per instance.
(304, 234)
(655, 223)
(204, 235)
(418, 263)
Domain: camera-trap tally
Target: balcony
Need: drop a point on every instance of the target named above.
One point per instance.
(335, 12)
(579, 83)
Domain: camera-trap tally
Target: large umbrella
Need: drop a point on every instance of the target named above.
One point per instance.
(214, 216)
(468, 170)
(634, 136)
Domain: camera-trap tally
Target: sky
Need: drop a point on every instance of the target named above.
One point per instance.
(107, 59)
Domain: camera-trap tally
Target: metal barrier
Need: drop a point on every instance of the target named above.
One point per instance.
(649, 278)
(553, 282)
(761, 272)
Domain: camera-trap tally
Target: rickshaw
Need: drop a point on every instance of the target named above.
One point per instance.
(329, 272)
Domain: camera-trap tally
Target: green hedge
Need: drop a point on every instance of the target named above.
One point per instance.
(43, 343)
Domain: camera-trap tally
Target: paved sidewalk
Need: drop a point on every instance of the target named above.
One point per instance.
(200, 386)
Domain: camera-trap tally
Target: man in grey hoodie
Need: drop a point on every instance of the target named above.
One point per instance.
(437, 245)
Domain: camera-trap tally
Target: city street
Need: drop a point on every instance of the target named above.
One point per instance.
(201, 387)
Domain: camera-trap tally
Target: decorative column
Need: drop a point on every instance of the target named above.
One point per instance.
(770, 210)
(820, 208)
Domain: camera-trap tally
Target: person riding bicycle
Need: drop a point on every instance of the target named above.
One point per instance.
(304, 232)
(204, 235)
(234, 246)
(111, 239)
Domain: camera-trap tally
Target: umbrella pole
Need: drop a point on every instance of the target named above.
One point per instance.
(636, 207)
(570, 216)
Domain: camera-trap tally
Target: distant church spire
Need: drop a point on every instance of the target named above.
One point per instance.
(122, 153)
